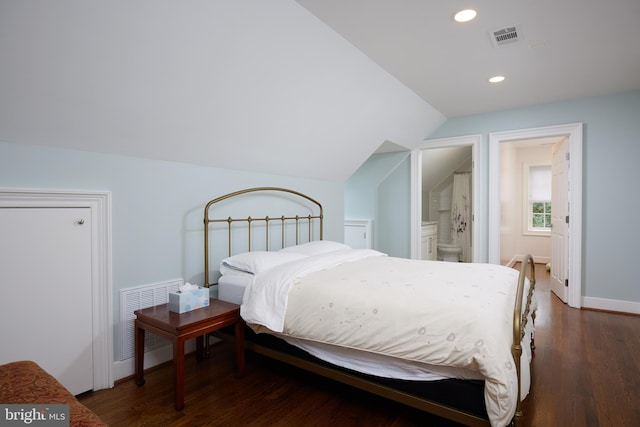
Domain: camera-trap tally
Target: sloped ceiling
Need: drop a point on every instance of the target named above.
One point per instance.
(252, 85)
(441, 163)
(305, 88)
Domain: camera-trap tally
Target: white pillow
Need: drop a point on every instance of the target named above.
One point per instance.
(257, 261)
(316, 247)
(227, 270)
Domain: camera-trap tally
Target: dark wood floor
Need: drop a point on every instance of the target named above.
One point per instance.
(586, 372)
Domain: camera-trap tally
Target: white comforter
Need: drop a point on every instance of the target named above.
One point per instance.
(449, 314)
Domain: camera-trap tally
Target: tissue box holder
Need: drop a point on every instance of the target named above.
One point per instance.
(181, 302)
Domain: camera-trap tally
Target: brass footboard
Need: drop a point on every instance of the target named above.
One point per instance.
(520, 320)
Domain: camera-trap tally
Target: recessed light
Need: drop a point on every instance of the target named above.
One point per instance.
(496, 79)
(465, 15)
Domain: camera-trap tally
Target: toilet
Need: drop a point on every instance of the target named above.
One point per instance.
(449, 252)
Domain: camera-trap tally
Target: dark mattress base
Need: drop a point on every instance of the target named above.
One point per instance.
(466, 396)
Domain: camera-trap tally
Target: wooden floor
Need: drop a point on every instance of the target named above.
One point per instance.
(586, 372)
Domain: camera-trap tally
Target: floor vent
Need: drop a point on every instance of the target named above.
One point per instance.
(506, 35)
(132, 299)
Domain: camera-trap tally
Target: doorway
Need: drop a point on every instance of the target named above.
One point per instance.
(534, 205)
(573, 133)
(419, 205)
(526, 175)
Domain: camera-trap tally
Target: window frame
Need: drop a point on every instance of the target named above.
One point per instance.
(527, 203)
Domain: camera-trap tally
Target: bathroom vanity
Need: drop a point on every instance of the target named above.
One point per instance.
(429, 240)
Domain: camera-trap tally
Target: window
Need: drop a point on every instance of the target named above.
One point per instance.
(540, 215)
(539, 210)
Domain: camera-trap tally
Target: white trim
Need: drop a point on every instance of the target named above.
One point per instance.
(127, 368)
(537, 258)
(526, 202)
(611, 305)
(362, 223)
(574, 133)
(100, 204)
(416, 189)
(415, 208)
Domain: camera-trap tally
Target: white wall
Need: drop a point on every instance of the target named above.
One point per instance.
(261, 86)
(510, 197)
(514, 241)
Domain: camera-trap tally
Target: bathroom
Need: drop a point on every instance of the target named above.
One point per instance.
(447, 213)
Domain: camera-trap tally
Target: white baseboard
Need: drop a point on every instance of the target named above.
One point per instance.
(541, 259)
(537, 259)
(611, 305)
(126, 368)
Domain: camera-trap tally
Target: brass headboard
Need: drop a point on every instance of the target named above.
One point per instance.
(249, 221)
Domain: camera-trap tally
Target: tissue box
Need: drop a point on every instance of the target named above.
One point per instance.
(183, 301)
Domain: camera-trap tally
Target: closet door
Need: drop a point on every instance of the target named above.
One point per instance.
(45, 281)
(357, 233)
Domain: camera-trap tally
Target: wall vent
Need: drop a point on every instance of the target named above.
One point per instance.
(506, 35)
(132, 299)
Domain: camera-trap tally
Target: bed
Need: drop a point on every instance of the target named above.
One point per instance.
(452, 339)
(26, 383)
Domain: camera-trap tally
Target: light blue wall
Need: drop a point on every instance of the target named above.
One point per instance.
(157, 206)
(611, 152)
(380, 190)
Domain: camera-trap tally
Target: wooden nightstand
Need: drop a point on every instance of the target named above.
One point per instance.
(182, 327)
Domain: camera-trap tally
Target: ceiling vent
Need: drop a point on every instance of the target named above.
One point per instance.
(506, 35)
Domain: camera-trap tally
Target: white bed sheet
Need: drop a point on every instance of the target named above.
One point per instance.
(231, 288)
(426, 290)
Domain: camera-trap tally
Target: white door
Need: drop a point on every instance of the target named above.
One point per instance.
(357, 234)
(45, 280)
(559, 226)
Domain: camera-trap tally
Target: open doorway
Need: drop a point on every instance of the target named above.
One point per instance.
(534, 205)
(526, 183)
(435, 165)
(499, 143)
(446, 203)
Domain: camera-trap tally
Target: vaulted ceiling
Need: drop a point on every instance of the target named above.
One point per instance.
(308, 88)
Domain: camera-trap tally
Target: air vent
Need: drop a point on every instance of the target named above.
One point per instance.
(506, 35)
(132, 299)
